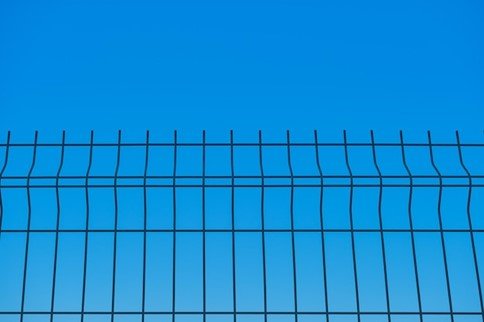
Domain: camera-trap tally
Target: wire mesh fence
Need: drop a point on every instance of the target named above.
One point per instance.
(232, 231)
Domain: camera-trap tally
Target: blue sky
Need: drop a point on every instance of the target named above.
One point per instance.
(305, 64)
(244, 65)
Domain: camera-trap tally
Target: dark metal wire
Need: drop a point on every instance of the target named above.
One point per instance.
(116, 215)
(293, 248)
(295, 176)
(249, 144)
(86, 237)
(29, 221)
(250, 230)
(380, 222)
(57, 226)
(412, 235)
(322, 181)
(351, 185)
(353, 249)
(321, 224)
(173, 299)
(273, 313)
(442, 237)
(232, 213)
(469, 222)
(263, 235)
(204, 254)
(145, 225)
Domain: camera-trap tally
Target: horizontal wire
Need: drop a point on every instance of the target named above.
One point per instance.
(241, 144)
(267, 230)
(240, 312)
(296, 185)
(369, 176)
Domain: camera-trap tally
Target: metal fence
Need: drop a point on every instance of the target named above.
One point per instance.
(241, 231)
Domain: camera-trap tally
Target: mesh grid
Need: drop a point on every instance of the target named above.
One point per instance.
(212, 231)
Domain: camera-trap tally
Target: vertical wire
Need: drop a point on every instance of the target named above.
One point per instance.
(204, 255)
(469, 220)
(232, 172)
(410, 222)
(439, 213)
(57, 226)
(321, 223)
(116, 213)
(353, 251)
(261, 165)
(293, 247)
(145, 224)
(173, 301)
(27, 238)
(86, 236)
(7, 148)
(380, 219)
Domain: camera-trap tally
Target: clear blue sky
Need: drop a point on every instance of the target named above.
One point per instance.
(242, 64)
(249, 64)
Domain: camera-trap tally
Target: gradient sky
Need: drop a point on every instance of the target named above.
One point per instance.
(249, 64)
(244, 65)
